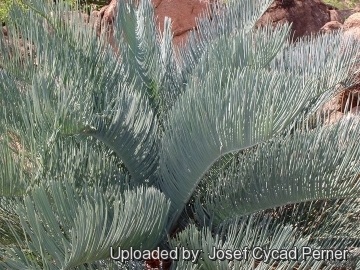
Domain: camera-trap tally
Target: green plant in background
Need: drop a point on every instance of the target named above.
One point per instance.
(4, 8)
(205, 147)
(5, 5)
(343, 4)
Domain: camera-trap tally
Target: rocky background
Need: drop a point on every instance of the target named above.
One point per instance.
(307, 17)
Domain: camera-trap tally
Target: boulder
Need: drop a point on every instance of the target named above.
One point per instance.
(306, 16)
(340, 15)
(349, 98)
(331, 27)
(181, 12)
(353, 21)
(352, 26)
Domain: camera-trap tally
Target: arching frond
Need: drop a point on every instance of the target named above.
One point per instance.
(229, 106)
(147, 55)
(70, 230)
(89, 94)
(243, 235)
(220, 22)
(244, 49)
(129, 128)
(321, 164)
(225, 115)
(250, 235)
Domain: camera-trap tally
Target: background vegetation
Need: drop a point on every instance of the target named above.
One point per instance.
(96, 4)
(343, 4)
(6, 4)
(4, 7)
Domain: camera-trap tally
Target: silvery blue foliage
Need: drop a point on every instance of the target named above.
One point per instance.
(201, 147)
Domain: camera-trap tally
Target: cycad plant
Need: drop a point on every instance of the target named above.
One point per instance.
(219, 144)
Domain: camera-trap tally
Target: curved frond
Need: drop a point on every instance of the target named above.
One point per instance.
(129, 128)
(258, 232)
(147, 55)
(333, 61)
(331, 67)
(305, 166)
(224, 115)
(240, 234)
(70, 230)
(81, 88)
(255, 49)
(234, 102)
(217, 23)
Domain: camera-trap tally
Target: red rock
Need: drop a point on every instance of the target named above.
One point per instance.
(306, 16)
(331, 27)
(182, 14)
(348, 98)
(334, 15)
(103, 22)
(352, 26)
(340, 15)
(352, 21)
